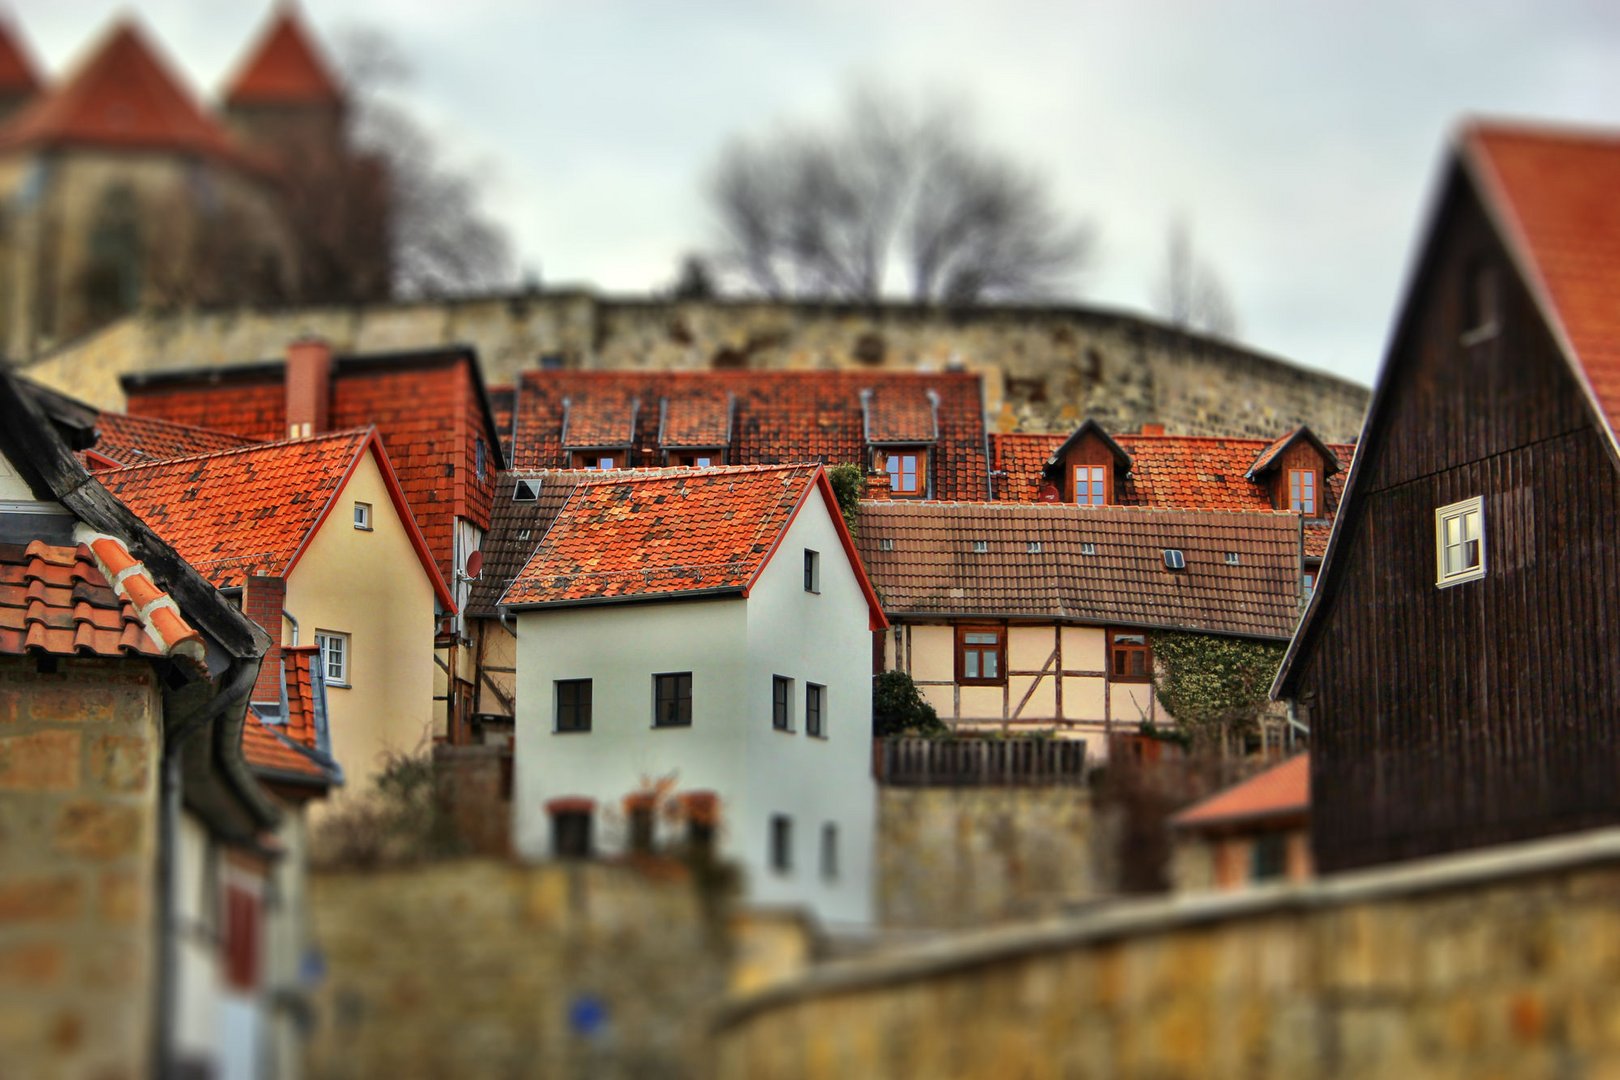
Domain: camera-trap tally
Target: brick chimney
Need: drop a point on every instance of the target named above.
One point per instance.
(309, 387)
(263, 599)
(1153, 429)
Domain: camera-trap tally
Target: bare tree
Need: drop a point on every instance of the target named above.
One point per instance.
(833, 213)
(1190, 294)
(441, 241)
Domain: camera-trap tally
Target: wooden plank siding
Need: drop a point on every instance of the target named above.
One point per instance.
(1483, 712)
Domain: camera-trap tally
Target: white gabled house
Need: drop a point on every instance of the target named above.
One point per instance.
(709, 630)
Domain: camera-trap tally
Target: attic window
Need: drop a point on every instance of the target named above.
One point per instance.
(1481, 301)
(1034, 547)
(362, 516)
(524, 535)
(1232, 558)
(1088, 549)
(1174, 559)
(526, 491)
(981, 547)
(885, 544)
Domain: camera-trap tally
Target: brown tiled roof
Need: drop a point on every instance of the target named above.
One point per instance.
(899, 413)
(1282, 790)
(779, 417)
(932, 567)
(696, 420)
(122, 97)
(1555, 193)
(136, 440)
(1168, 472)
(1273, 452)
(284, 68)
(17, 72)
(602, 417)
(87, 600)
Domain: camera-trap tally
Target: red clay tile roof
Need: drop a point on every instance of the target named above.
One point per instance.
(122, 97)
(900, 413)
(686, 533)
(1280, 790)
(1555, 195)
(1169, 472)
(285, 748)
(136, 440)
(57, 600)
(428, 408)
(284, 68)
(931, 565)
(599, 419)
(1271, 454)
(18, 75)
(700, 420)
(266, 748)
(779, 417)
(502, 400)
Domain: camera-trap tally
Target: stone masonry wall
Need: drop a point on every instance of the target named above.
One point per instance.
(78, 828)
(1500, 963)
(479, 967)
(1045, 368)
(968, 856)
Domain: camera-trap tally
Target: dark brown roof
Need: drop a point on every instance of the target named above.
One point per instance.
(935, 569)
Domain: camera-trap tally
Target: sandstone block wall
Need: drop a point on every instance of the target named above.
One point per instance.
(1495, 964)
(963, 857)
(1045, 368)
(479, 967)
(79, 754)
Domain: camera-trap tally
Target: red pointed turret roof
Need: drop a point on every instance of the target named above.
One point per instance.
(124, 97)
(284, 68)
(17, 72)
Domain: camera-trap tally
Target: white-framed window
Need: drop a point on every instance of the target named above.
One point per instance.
(1459, 542)
(335, 656)
(362, 516)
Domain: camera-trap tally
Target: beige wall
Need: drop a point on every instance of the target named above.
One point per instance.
(1503, 963)
(372, 586)
(1200, 861)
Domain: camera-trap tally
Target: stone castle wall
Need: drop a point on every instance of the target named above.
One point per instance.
(1045, 368)
(1496, 963)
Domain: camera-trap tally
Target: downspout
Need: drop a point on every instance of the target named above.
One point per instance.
(285, 614)
(235, 686)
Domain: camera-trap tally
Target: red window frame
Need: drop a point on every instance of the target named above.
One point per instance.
(1093, 489)
(913, 482)
(1129, 660)
(975, 655)
(1303, 491)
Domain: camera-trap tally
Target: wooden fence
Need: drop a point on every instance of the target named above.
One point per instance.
(909, 762)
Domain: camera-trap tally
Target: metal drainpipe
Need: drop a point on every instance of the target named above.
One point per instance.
(237, 684)
(285, 614)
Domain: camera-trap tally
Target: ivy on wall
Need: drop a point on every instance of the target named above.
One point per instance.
(847, 483)
(1216, 687)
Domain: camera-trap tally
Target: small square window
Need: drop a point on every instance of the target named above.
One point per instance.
(526, 491)
(1088, 549)
(334, 656)
(781, 843)
(1033, 547)
(573, 705)
(672, 699)
(815, 701)
(781, 703)
(362, 516)
(1232, 558)
(1459, 542)
(1130, 658)
(1175, 559)
(829, 852)
(981, 547)
(812, 571)
(885, 544)
(980, 655)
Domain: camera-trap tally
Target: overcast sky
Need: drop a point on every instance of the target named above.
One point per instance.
(1301, 139)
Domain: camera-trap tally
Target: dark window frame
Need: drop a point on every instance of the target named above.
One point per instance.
(562, 689)
(668, 689)
(1268, 856)
(996, 649)
(781, 703)
(829, 851)
(781, 844)
(815, 710)
(572, 834)
(1119, 651)
(812, 571)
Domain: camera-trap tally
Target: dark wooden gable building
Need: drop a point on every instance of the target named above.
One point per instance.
(1458, 664)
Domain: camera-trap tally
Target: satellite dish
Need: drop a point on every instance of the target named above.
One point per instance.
(475, 564)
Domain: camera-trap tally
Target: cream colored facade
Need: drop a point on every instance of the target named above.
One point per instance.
(372, 586)
(1056, 680)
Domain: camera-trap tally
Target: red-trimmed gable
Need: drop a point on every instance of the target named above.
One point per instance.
(284, 68)
(1555, 196)
(1281, 791)
(123, 97)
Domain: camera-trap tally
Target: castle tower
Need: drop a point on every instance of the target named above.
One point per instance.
(284, 96)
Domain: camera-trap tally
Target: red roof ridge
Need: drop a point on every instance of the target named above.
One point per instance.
(159, 615)
(917, 505)
(677, 472)
(284, 66)
(253, 447)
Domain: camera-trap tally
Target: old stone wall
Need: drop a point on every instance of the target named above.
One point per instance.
(1045, 368)
(480, 967)
(968, 856)
(1498, 963)
(78, 827)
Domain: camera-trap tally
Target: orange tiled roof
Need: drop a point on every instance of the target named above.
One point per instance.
(695, 421)
(241, 512)
(427, 407)
(710, 530)
(125, 97)
(87, 600)
(778, 417)
(1556, 194)
(896, 414)
(286, 747)
(1279, 790)
(284, 68)
(136, 440)
(1168, 472)
(602, 418)
(17, 72)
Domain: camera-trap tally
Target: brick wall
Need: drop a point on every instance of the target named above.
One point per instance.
(1499, 963)
(263, 600)
(78, 831)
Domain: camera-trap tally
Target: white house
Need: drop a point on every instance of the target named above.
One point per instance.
(706, 634)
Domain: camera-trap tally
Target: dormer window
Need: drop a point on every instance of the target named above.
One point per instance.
(1091, 485)
(698, 459)
(1302, 491)
(593, 460)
